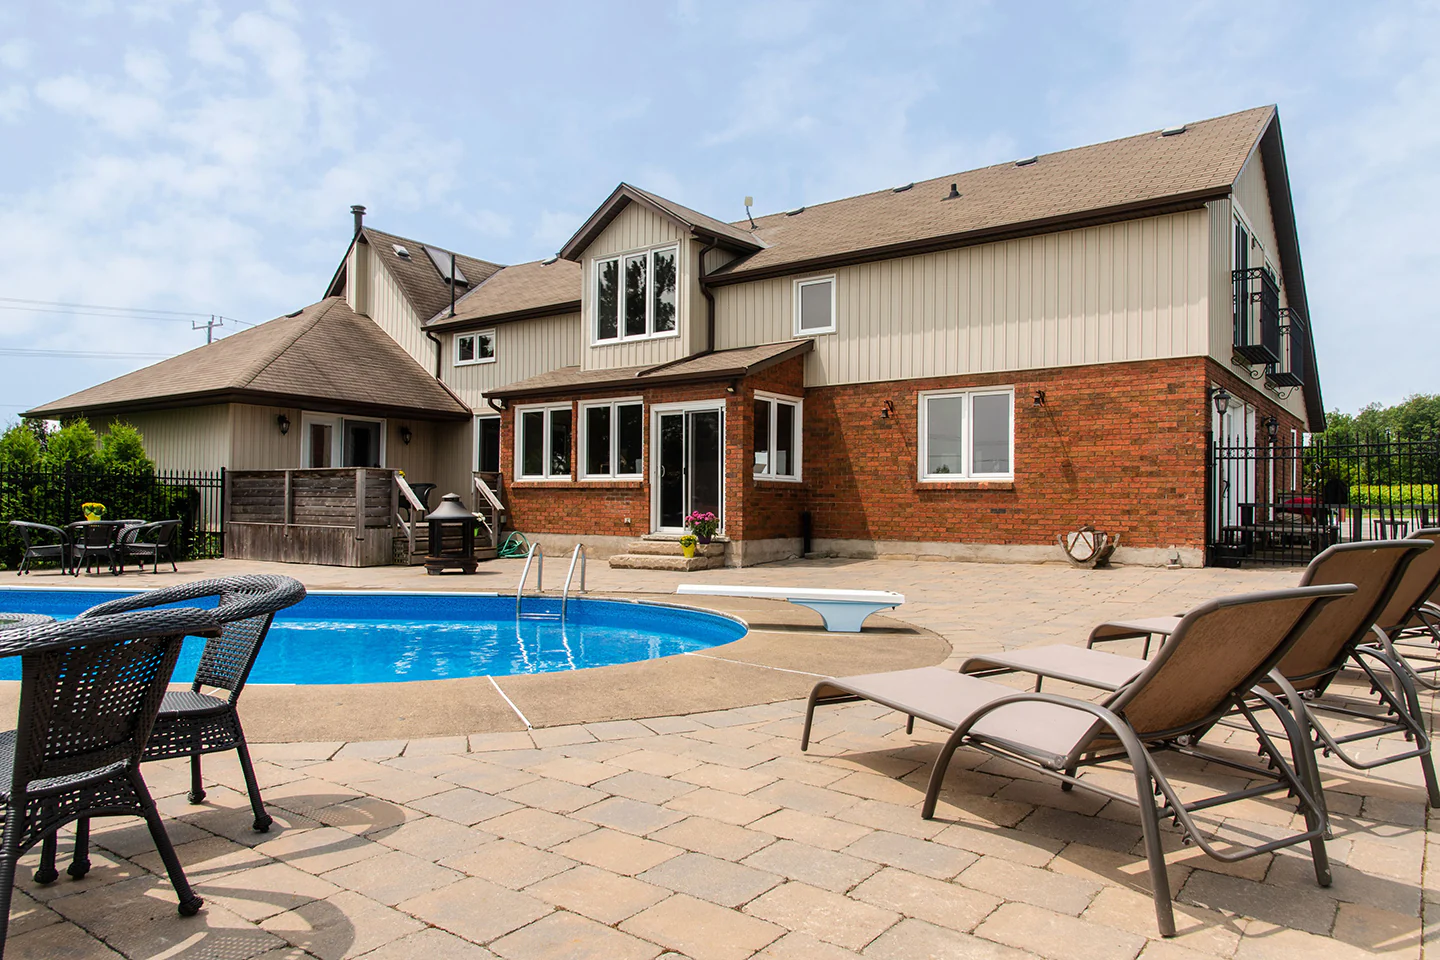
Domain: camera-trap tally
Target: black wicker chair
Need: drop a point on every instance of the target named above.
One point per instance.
(33, 537)
(149, 541)
(89, 694)
(93, 540)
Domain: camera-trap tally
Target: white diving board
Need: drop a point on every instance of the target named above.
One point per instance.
(842, 610)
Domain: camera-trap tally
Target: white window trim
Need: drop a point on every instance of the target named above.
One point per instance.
(683, 406)
(582, 448)
(799, 406)
(476, 334)
(966, 452)
(520, 440)
(336, 422)
(811, 281)
(595, 340)
(475, 458)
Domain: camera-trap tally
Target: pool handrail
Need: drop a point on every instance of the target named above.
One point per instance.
(577, 554)
(535, 551)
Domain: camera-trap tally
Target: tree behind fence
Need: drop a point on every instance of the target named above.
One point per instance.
(54, 497)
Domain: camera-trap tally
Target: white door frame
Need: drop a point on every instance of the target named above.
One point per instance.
(688, 406)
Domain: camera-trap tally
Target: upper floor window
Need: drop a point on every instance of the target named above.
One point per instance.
(635, 295)
(542, 442)
(777, 437)
(612, 438)
(814, 306)
(478, 347)
(967, 434)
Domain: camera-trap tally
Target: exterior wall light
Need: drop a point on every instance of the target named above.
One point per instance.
(1039, 398)
(1221, 397)
(887, 409)
(283, 422)
(1272, 428)
(406, 436)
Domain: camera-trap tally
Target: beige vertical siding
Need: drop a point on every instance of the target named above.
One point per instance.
(1252, 197)
(258, 444)
(523, 348)
(1222, 291)
(390, 309)
(638, 228)
(357, 278)
(191, 438)
(1125, 291)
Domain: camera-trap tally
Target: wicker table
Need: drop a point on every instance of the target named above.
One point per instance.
(15, 621)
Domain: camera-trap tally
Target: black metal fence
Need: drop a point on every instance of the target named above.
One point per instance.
(1282, 505)
(54, 497)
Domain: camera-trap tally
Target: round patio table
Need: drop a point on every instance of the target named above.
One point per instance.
(16, 621)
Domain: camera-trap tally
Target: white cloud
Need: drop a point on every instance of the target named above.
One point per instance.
(14, 101)
(118, 112)
(147, 68)
(553, 228)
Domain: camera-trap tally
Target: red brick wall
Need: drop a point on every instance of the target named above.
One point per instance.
(599, 508)
(1121, 447)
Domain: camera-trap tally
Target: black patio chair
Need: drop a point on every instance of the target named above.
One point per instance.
(33, 537)
(89, 694)
(190, 722)
(149, 541)
(91, 540)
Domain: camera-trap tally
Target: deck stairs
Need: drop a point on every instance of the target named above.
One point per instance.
(663, 552)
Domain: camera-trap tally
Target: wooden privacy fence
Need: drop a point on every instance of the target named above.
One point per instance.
(343, 517)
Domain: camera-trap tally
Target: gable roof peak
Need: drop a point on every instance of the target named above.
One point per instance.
(700, 225)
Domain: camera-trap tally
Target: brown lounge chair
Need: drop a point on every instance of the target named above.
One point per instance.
(1409, 627)
(1379, 568)
(1216, 653)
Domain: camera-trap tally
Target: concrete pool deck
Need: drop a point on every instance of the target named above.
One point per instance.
(708, 835)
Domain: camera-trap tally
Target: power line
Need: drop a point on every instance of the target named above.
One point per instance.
(106, 311)
(82, 354)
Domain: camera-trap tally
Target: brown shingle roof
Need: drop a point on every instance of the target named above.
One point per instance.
(728, 234)
(1133, 172)
(720, 365)
(524, 290)
(324, 357)
(427, 291)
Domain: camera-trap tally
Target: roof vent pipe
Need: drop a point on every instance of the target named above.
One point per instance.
(954, 192)
(359, 213)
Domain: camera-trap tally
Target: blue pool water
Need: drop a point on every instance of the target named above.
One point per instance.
(331, 638)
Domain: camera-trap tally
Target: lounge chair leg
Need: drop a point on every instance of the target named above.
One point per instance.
(46, 872)
(909, 724)
(937, 775)
(197, 789)
(1154, 852)
(1069, 772)
(80, 862)
(809, 718)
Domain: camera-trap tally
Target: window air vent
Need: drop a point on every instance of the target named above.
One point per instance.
(1173, 131)
(1027, 161)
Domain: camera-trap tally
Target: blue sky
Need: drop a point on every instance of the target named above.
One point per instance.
(202, 157)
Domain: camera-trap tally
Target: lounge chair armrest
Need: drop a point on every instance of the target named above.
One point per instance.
(1101, 714)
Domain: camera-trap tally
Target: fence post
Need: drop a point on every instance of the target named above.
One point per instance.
(1209, 496)
(359, 503)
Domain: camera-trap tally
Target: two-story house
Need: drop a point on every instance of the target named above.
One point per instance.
(963, 367)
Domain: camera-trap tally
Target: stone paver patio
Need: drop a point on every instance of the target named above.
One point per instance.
(712, 836)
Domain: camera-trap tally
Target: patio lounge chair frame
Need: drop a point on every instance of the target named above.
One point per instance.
(58, 551)
(1380, 567)
(89, 694)
(1409, 627)
(1258, 629)
(192, 723)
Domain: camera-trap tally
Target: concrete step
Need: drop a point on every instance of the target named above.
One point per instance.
(655, 561)
(670, 547)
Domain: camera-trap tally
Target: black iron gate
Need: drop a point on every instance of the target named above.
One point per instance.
(1281, 505)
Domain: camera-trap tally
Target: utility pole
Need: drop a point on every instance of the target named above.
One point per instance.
(208, 326)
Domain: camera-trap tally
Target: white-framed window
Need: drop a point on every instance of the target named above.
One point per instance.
(542, 442)
(967, 434)
(777, 436)
(814, 306)
(477, 347)
(333, 441)
(635, 295)
(612, 439)
(487, 443)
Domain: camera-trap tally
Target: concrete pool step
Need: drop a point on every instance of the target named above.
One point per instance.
(665, 553)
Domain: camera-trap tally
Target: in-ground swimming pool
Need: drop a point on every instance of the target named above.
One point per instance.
(387, 637)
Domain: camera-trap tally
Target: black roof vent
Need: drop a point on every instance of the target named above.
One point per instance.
(954, 192)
